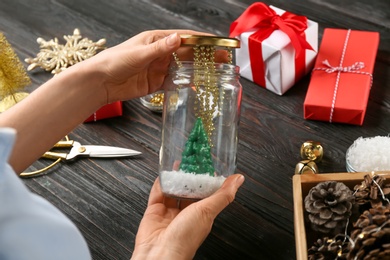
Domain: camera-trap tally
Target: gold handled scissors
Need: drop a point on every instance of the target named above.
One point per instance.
(77, 149)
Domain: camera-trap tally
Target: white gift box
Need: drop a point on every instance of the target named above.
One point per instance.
(278, 55)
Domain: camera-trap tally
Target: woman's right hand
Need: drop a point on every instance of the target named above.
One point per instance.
(169, 232)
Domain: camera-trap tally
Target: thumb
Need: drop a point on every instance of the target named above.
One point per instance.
(224, 196)
(162, 47)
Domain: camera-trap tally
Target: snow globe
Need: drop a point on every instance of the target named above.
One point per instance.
(200, 120)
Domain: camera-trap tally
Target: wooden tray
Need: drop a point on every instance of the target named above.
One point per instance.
(302, 183)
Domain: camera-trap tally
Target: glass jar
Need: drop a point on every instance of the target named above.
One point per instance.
(200, 129)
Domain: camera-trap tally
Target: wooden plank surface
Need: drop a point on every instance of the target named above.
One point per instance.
(106, 198)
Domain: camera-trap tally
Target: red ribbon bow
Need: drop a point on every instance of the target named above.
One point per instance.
(261, 17)
(265, 20)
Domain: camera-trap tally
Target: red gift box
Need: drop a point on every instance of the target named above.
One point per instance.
(277, 47)
(110, 110)
(342, 77)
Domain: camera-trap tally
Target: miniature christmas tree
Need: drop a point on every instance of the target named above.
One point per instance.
(196, 157)
(13, 77)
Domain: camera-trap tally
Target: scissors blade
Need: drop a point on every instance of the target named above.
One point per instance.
(100, 151)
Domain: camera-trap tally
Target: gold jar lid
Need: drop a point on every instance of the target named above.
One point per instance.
(193, 40)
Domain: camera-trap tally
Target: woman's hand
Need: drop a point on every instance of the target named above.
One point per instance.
(171, 232)
(139, 65)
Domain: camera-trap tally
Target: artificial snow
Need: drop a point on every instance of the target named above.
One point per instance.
(189, 185)
(369, 154)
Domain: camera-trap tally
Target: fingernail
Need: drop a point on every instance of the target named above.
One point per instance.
(172, 39)
(240, 180)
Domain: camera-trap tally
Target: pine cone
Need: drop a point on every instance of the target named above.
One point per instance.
(328, 249)
(329, 205)
(371, 235)
(368, 195)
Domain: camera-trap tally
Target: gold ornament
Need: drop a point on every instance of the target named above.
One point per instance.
(13, 76)
(56, 57)
(312, 153)
(157, 99)
(312, 150)
(306, 166)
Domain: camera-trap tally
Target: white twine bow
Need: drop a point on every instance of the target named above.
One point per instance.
(355, 68)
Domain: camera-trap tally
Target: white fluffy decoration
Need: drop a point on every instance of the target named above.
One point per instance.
(189, 185)
(369, 154)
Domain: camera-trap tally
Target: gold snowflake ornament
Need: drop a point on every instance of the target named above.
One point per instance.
(56, 57)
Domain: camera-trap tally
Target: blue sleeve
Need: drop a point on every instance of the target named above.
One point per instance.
(31, 227)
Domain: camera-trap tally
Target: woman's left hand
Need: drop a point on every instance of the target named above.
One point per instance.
(139, 65)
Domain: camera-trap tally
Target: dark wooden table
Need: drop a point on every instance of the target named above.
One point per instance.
(106, 198)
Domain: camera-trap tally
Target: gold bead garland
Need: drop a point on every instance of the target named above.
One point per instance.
(204, 61)
(208, 99)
